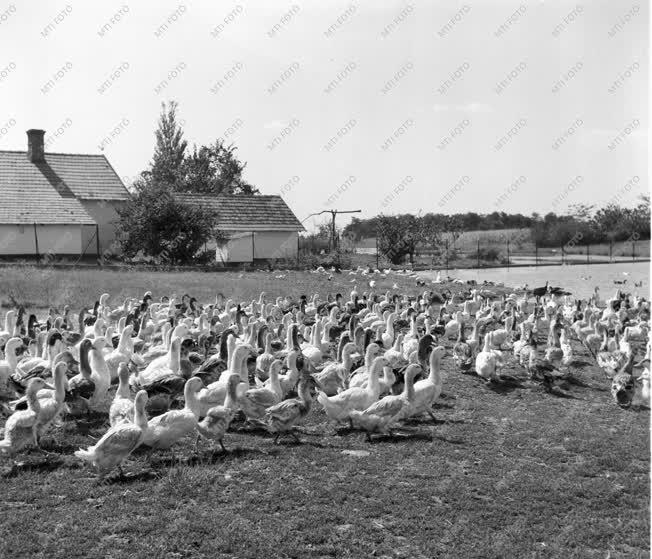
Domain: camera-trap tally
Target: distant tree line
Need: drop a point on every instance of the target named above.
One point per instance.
(585, 225)
(582, 224)
(153, 222)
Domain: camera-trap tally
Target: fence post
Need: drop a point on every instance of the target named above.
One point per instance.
(587, 254)
(536, 254)
(377, 250)
(36, 243)
(478, 253)
(611, 247)
(561, 250)
(447, 256)
(97, 240)
(508, 254)
(633, 249)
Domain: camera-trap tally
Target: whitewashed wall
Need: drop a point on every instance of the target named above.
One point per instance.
(54, 239)
(106, 216)
(265, 245)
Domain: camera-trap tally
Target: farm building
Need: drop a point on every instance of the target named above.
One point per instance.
(258, 227)
(57, 203)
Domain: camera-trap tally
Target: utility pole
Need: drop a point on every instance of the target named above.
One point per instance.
(334, 215)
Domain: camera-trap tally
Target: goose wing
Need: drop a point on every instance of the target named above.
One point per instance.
(120, 440)
(261, 397)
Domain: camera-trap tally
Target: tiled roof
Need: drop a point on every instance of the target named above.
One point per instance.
(247, 213)
(49, 192)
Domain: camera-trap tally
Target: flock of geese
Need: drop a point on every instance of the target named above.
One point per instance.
(161, 370)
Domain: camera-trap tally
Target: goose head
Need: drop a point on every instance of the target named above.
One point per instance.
(36, 384)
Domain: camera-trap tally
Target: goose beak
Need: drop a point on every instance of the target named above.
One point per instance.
(48, 386)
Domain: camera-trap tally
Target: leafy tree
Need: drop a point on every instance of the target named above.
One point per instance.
(153, 222)
(170, 149)
(400, 235)
(214, 169)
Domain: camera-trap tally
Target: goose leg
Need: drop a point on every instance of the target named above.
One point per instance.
(223, 447)
(295, 437)
(432, 416)
(276, 438)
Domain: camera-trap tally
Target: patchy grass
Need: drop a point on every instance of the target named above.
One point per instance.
(505, 472)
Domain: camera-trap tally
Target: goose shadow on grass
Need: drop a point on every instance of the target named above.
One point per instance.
(204, 456)
(401, 437)
(426, 420)
(125, 478)
(44, 464)
(505, 384)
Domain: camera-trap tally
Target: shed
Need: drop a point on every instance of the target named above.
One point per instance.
(258, 227)
(57, 203)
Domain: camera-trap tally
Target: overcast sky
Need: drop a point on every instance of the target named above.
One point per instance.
(382, 106)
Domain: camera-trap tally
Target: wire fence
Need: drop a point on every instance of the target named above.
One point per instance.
(482, 253)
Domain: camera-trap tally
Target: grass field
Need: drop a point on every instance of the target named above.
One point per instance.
(505, 472)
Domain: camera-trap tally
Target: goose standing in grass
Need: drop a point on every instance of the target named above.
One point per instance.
(339, 407)
(334, 377)
(52, 402)
(121, 354)
(215, 393)
(361, 375)
(284, 416)
(118, 442)
(566, 347)
(218, 418)
(100, 374)
(81, 387)
(122, 407)
(487, 361)
(426, 391)
(289, 380)
(463, 353)
(165, 430)
(383, 414)
(255, 401)
(622, 385)
(21, 428)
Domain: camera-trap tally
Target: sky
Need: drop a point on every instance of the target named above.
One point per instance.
(387, 107)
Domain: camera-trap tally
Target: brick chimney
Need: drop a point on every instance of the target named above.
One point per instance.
(35, 148)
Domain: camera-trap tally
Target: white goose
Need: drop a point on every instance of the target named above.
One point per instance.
(382, 415)
(122, 407)
(119, 441)
(427, 391)
(22, 426)
(339, 407)
(165, 430)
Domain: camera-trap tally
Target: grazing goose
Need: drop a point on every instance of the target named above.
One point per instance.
(381, 415)
(118, 442)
